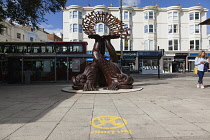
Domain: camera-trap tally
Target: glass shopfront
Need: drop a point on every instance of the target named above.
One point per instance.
(149, 61)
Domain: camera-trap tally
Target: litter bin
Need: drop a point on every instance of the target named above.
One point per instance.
(126, 70)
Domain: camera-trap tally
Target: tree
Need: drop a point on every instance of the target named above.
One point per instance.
(28, 12)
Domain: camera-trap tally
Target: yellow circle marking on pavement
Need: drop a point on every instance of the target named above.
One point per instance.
(108, 122)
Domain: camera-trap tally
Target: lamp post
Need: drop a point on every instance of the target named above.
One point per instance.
(121, 42)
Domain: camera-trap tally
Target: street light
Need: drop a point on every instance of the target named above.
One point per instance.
(121, 43)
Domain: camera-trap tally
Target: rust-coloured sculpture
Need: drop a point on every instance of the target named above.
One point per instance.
(103, 72)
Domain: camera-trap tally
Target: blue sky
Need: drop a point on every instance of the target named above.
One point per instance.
(55, 21)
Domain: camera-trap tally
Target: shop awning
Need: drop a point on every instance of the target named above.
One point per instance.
(206, 22)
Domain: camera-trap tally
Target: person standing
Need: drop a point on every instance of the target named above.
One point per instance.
(200, 60)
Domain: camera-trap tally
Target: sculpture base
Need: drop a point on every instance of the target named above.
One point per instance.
(101, 91)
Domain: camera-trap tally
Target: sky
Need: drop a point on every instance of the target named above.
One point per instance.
(55, 21)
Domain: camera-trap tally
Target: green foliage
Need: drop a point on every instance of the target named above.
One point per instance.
(28, 12)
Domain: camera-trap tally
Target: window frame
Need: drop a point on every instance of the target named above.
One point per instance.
(148, 15)
(125, 15)
(194, 15)
(172, 16)
(149, 45)
(195, 44)
(172, 45)
(194, 29)
(148, 29)
(173, 28)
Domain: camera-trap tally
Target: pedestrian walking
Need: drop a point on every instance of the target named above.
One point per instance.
(200, 61)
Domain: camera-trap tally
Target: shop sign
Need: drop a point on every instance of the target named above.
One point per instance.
(181, 54)
(147, 53)
(129, 54)
(169, 54)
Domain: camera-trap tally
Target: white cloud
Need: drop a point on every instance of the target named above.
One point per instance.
(56, 31)
(131, 2)
(44, 25)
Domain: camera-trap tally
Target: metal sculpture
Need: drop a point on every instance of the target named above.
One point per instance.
(103, 72)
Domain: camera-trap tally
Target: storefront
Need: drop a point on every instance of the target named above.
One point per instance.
(191, 60)
(179, 63)
(167, 62)
(130, 59)
(149, 61)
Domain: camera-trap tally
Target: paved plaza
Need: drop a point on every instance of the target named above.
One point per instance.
(169, 108)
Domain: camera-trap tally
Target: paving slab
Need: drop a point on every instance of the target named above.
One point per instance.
(169, 108)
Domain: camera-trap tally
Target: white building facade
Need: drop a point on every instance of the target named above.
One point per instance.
(174, 29)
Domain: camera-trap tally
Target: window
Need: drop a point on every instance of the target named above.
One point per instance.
(105, 29)
(19, 35)
(148, 45)
(149, 15)
(74, 28)
(197, 15)
(170, 16)
(80, 28)
(130, 29)
(145, 28)
(173, 15)
(194, 29)
(130, 15)
(31, 39)
(194, 15)
(173, 28)
(80, 15)
(70, 15)
(125, 14)
(173, 44)
(148, 29)
(100, 27)
(75, 14)
(194, 44)
(197, 30)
